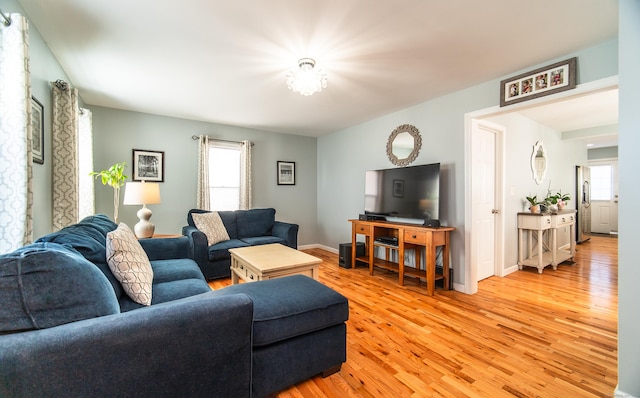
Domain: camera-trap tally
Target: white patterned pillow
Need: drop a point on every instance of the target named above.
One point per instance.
(130, 264)
(212, 226)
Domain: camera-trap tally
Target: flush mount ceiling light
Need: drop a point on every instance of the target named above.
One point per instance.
(305, 79)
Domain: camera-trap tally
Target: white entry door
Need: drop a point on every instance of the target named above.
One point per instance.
(485, 148)
(604, 196)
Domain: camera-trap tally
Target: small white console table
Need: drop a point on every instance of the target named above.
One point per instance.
(545, 252)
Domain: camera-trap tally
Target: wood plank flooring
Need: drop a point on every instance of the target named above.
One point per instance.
(524, 335)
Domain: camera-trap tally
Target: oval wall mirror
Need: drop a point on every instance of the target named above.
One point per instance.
(538, 162)
(404, 145)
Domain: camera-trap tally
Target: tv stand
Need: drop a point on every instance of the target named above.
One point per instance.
(379, 233)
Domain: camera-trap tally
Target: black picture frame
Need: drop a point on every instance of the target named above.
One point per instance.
(148, 165)
(286, 172)
(551, 79)
(398, 188)
(37, 131)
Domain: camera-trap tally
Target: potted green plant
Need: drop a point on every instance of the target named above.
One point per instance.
(534, 204)
(563, 198)
(114, 177)
(552, 201)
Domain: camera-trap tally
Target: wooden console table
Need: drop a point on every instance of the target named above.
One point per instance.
(546, 253)
(408, 236)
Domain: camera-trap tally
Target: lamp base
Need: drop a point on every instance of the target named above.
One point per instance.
(144, 228)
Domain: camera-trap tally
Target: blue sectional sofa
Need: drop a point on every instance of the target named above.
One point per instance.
(245, 228)
(68, 330)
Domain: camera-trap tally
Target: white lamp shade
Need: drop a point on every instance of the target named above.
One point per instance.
(142, 193)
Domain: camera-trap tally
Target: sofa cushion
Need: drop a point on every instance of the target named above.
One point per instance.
(230, 222)
(130, 264)
(175, 269)
(263, 240)
(255, 222)
(212, 226)
(291, 306)
(169, 291)
(220, 250)
(46, 284)
(88, 237)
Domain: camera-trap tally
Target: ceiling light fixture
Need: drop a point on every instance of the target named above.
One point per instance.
(305, 79)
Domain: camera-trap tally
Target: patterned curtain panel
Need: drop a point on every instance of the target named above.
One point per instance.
(86, 205)
(203, 173)
(16, 196)
(64, 143)
(245, 175)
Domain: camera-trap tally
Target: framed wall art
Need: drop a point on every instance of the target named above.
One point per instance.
(398, 188)
(286, 173)
(37, 131)
(148, 165)
(548, 80)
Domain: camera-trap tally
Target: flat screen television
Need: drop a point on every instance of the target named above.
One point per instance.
(404, 192)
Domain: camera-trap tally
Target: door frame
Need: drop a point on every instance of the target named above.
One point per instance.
(470, 275)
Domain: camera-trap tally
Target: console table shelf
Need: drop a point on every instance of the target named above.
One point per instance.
(543, 227)
(408, 236)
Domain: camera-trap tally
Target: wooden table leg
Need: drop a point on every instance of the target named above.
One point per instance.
(445, 261)
(401, 264)
(430, 264)
(540, 251)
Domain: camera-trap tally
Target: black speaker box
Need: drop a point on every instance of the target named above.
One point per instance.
(440, 282)
(344, 253)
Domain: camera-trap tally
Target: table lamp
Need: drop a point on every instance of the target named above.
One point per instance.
(142, 193)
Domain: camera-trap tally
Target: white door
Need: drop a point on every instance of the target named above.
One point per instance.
(604, 196)
(485, 210)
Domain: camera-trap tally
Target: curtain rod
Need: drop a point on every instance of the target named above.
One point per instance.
(195, 138)
(7, 19)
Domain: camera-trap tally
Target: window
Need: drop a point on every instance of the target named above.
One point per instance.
(224, 176)
(601, 182)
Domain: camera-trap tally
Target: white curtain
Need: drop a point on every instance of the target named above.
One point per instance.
(64, 143)
(16, 196)
(245, 175)
(203, 194)
(86, 205)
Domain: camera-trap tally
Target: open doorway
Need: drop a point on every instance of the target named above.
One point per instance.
(512, 201)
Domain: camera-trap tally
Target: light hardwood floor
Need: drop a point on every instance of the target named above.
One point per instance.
(524, 335)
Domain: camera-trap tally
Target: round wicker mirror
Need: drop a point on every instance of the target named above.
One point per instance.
(404, 145)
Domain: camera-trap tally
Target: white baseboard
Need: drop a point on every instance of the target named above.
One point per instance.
(318, 246)
(510, 270)
(621, 394)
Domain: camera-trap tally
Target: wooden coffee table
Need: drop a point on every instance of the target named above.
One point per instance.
(263, 262)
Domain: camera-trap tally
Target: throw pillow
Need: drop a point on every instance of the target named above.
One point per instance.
(130, 264)
(212, 226)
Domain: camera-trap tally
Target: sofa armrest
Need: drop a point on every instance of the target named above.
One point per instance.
(167, 248)
(199, 245)
(196, 346)
(286, 231)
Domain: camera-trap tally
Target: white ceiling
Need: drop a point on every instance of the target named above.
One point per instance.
(225, 61)
(580, 115)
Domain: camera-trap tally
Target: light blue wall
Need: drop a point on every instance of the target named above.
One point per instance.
(610, 152)
(629, 164)
(44, 69)
(344, 156)
(117, 133)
